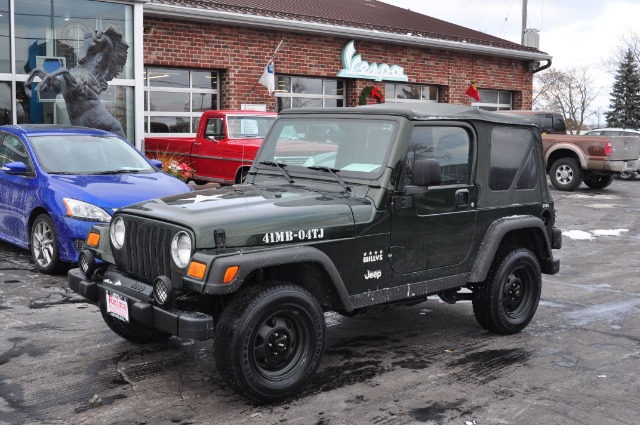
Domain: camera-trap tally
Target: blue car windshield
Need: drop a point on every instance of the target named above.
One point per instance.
(87, 154)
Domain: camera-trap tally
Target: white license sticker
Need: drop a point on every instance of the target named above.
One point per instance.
(117, 306)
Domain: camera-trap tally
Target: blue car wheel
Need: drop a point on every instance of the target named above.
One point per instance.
(44, 245)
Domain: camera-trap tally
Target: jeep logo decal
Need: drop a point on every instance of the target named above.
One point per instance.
(373, 275)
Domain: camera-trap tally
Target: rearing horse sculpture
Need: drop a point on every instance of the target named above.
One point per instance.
(102, 57)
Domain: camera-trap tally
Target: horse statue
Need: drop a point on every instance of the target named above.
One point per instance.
(101, 58)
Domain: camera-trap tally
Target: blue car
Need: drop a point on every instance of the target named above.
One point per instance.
(58, 181)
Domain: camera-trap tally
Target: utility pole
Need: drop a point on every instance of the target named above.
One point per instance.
(524, 20)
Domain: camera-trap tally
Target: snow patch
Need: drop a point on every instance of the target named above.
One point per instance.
(578, 235)
(601, 206)
(581, 235)
(609, 232)
(583, 196)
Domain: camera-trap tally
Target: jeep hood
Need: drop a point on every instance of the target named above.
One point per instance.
(253, 216)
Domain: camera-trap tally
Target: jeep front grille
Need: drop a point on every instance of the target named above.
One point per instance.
(146, 251)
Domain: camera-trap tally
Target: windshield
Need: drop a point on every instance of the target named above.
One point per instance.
(84, 154)
(248, 126)
(352, 147)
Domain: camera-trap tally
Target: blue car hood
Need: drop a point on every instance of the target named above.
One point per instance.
(114, 191)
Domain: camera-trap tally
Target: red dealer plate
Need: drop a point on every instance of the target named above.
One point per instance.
(117, 306)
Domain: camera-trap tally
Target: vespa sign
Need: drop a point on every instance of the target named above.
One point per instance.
(355, 67)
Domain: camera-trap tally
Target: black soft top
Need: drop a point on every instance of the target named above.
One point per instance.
(418, 111)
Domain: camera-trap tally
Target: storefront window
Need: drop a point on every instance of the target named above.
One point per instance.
(494, 100)
(5, 40)
(302, 92)
(6, 111)
(175, 98)
(56, 28)
(396, 93)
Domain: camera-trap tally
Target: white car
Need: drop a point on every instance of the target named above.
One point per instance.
(617, 132)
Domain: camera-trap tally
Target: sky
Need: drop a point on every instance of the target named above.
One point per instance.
(575, 32)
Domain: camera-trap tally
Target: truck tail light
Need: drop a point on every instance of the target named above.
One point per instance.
(608, 150)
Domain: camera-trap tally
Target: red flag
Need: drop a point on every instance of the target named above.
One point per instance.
(473, 91)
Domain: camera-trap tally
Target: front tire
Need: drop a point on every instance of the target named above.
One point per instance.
(627, 175)
(269, 341)
(565, 174)
(598, 181)
(44, 245)
(508, 298)
(134, 332)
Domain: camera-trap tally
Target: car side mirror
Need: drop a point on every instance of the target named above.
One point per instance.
(156, 163)
(15, 168)
(426, 172)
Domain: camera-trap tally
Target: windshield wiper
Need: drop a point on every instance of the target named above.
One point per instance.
(334, 172)
(280, 167)
(115, 172)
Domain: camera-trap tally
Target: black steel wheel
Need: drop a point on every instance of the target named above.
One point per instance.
(507, 300)
(598, 181)
(134, 332)
(565, 174)
(269, 341)
(44, 245)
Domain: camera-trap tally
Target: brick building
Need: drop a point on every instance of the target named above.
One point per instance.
(187, 56)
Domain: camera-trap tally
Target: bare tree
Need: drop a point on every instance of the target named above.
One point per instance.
(628, 42)
(570, 92)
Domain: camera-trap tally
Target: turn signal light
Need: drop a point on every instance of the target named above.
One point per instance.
(93, 239)
(197, 270)
(230, 274)
(608, 150)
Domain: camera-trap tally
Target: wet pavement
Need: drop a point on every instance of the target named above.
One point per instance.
(431, 363)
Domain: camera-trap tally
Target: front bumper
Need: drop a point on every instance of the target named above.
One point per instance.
(184, 324)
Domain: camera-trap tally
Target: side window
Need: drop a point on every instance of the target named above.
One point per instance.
(13, 150)
(558, 124)
(449, 145)
(214, 128)
(511, 150)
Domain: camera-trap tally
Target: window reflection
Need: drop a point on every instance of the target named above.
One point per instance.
(5, 33)
(38, 24)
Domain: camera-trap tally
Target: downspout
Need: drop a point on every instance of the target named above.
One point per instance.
(542, 68)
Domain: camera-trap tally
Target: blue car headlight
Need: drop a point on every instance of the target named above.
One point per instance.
(85, 211)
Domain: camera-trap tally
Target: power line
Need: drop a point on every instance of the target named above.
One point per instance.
(505, 18)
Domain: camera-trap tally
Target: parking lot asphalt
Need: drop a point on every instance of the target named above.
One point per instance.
(430, 363)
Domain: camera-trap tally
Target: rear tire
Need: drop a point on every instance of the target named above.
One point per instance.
(565, 174)
(269, 341)
(598, 181)
(508, 298)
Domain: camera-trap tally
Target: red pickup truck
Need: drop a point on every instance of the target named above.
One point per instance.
(224, 146)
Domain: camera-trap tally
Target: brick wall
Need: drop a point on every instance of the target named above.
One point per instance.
(241, 54)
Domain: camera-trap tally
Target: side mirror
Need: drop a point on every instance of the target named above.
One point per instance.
(426, 172)
(15, 168)
(156, 163)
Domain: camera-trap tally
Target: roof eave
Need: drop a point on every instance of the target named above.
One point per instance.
(280, 24)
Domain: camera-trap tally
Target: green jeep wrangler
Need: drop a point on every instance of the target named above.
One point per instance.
(343, 209)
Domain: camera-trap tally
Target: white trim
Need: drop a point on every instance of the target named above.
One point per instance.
(280, 24)
(138, 73)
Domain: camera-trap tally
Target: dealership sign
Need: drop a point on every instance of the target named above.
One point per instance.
(355, 67)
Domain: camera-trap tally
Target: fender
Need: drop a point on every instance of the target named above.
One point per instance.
(567, 146)
(493, 238)
(252, 261)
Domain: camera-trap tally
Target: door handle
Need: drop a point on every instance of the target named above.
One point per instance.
(462, 198)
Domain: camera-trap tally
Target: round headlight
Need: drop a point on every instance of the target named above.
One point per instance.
(117, 232)
(181, 249)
